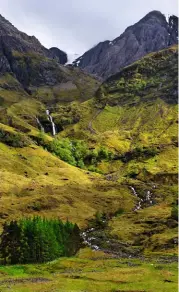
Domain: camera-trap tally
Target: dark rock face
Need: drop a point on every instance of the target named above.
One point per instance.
(59, 55)
(24, 56)
(12, 39)
(26, 65)
(152, 33)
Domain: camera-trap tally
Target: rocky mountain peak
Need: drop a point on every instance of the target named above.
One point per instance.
(155, 14)
(6, 27)
(13, 40)
(59, 55)
(152, 33)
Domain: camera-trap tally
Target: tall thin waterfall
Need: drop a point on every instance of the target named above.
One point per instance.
(40, 125)
(52, 123)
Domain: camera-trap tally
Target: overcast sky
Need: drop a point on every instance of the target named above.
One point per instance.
(76, 25)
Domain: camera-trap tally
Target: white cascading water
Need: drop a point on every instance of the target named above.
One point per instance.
(40, 125)
(88, 240)
(147, 199)
(52, 123)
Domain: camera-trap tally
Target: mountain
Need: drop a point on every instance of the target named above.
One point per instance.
(152, 33)
(12, 40)
(134, 115)
(103, 156)
(125, 141)
(37, 70)
(60, 56)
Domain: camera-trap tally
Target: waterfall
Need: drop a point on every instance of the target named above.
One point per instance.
(53, 126)
(149, 197)
(141, 202)
(47, 113)
(40, 125)
(87, 239)
(49, 117)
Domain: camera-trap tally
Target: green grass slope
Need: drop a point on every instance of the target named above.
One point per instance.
(33, 181)
(91, 272)
(133, 115)
(50, 82)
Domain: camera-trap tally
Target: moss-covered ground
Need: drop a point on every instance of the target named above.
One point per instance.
(92, 271)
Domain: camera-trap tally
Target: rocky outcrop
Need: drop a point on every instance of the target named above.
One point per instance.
(58, 55)
(13, 42)
(152, 33)
(12, 39)
(35, 66)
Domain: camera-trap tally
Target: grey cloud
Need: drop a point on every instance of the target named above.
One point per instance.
(77, 25)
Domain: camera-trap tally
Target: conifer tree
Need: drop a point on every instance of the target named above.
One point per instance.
(37, 240)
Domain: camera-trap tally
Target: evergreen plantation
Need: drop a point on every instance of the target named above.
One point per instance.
(37, 240)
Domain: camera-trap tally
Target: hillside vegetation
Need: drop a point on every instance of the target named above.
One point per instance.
(134, 115)
(91, 271)
(112, 166)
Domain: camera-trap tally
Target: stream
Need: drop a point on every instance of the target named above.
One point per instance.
(146, 201)
(100, 239)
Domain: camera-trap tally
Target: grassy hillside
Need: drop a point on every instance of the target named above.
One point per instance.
(36, 182)
(134, 115)
(49, 81)
(129, 175)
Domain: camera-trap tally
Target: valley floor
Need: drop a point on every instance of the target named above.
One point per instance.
(93, 271)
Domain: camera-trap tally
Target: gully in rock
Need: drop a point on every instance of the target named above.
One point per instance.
(49, 117)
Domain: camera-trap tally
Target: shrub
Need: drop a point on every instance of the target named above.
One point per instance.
(100, 220)
(139, 152)
(14, 139)
(119, 212)
(75, 152)
(64, 149)
(97, 155)
(104, 153)
(174, 213)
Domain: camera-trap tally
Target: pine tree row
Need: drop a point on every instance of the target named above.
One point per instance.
(37, 240)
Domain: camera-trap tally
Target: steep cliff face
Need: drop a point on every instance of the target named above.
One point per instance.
(11, 39)
(38, 70)
(23, 56)
(152, 33)
(59, 55)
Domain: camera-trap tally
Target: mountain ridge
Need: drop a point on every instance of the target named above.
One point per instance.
(115, 142)
(39, 71)
(151, 33)
(13, 39)
(103, 156)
